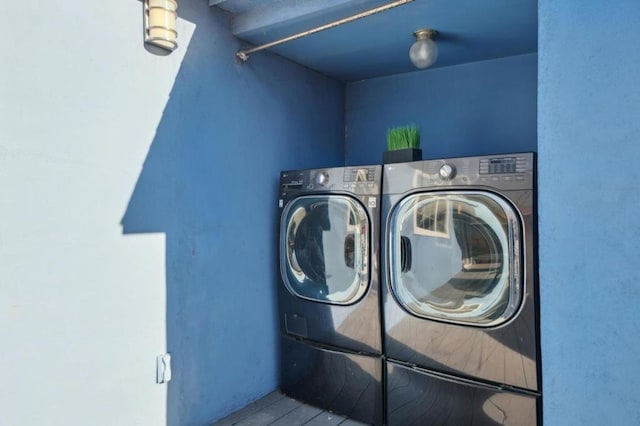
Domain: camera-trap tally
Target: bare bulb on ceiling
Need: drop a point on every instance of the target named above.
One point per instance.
(424, 52)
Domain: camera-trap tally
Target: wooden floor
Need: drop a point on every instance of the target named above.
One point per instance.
(278, 410)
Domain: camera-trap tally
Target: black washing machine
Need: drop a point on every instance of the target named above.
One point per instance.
(329, 300)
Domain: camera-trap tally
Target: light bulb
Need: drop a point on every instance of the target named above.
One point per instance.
(424, 51)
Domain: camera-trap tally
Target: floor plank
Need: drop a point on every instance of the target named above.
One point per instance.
(254, 407)
(299, 416)
(271, 413)
(276, 409)
(325, 419)
(349, 422)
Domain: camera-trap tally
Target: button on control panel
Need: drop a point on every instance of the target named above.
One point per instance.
(359, 174)
(322, 178)
(503, 169)
(447, 171)
(501, 165)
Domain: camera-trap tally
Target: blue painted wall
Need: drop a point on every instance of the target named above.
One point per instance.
(210, 183)
(478, 108)
(589, 144)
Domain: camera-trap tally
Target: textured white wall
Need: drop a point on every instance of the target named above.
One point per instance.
(82, 307)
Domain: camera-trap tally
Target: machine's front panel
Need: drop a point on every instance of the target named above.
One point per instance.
(458, 279)
(329, 240)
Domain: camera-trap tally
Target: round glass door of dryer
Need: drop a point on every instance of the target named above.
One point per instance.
(324, 248)
(455, 257)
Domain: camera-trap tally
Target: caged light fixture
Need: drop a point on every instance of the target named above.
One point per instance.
(424, 52)
(160, 23)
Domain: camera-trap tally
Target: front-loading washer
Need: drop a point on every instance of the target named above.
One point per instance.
(328, 292)
(460, 291)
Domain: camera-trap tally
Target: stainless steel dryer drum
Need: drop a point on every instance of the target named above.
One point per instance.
(460, 290)
(328, 294)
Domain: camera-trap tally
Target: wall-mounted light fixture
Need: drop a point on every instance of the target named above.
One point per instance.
(160, 23)
(424, 51)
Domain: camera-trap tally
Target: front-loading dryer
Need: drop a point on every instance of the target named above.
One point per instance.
(328, 293)
(460, 292)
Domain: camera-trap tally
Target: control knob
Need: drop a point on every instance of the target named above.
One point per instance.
(322, 178)
(447, 172)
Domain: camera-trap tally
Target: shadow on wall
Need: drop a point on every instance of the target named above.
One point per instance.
(209, 182)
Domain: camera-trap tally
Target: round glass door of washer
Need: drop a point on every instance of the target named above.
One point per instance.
(455, 257)
(324, 248)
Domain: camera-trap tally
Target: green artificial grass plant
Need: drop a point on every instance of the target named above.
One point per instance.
(403, 137)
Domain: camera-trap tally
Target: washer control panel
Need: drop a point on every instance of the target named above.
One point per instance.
(358, 180)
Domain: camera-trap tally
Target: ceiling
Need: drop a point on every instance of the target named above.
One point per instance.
(378, 45)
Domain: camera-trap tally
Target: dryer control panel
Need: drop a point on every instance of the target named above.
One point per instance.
(502, 172)
(509, 172)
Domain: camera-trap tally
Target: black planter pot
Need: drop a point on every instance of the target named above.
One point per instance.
(402, 155)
